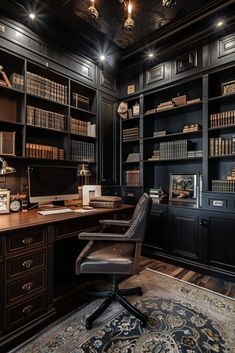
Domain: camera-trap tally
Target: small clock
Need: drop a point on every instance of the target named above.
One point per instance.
(15, 205)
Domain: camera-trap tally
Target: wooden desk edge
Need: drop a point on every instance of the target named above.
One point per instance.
(9, 222)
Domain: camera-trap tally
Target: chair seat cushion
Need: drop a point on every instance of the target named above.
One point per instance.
(106, 257)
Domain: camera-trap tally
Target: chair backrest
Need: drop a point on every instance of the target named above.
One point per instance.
(140, 218)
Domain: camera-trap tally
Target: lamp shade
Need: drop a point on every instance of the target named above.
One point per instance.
(5, 168)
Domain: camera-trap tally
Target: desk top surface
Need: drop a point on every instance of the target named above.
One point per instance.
(31, 218)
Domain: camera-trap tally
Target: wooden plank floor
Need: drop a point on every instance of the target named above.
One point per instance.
(215, 284)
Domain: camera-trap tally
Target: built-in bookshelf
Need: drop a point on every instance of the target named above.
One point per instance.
(130, 145)
(53, 116)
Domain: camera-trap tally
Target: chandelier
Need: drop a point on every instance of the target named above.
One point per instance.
(129, 23)
(168, 3)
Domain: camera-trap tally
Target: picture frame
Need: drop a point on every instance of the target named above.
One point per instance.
(130, 89)
(136, 109)
(4, 201)
(89, 191)
(184, 188)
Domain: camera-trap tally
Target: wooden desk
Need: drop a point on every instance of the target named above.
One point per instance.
(29, 261)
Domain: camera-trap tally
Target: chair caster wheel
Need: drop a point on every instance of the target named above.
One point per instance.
(88, 325)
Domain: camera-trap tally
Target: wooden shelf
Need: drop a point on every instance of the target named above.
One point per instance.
(181, 107)
(177, 134)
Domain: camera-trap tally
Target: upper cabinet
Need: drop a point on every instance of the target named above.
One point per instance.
(157, 75)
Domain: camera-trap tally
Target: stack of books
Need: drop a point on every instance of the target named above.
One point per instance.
(194, 154)
(155, 156)
(165, 106)
(192, 127)
(45, 118)
(159, 133)
(151, 111)
(130, 134)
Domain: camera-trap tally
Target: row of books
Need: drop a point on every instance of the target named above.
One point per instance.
(17, 81)
(175, 149)
(45, 118)
(219, 146)
(132, 178)
(43, 87)
(223, 185)
(222, 119)
(82, 151)
(130, 134)
(34, 150)
(85, 128)
(79, 101)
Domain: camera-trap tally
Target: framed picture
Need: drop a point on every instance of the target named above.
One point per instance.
(89, 191)
(184, 188)
(136, 109)
(130, 89)
(4, 201)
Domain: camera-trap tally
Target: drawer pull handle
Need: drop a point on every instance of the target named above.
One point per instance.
(27, 286)
(27, 263)
(27, 241)
(27, 309)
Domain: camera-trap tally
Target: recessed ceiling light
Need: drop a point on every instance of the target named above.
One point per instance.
(151, 55)
(219, 23)
(102, 57)
(32, 16)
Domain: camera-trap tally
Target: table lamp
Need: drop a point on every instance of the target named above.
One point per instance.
(83, 170)
(5, 168)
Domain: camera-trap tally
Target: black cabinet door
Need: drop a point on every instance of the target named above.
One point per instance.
(156, 235)
(108, 140)
(220, 229)
(183, 233)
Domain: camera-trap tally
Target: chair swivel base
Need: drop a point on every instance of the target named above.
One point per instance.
(117, 294)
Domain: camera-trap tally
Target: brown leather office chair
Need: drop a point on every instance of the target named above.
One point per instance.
(116, 254)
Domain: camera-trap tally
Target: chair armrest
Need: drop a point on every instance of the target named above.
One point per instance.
(103, 236)
(115, 222)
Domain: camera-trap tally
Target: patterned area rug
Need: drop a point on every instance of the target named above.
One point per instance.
(183, 318)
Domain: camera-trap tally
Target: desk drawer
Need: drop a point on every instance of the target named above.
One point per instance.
(20, 314)
(17, 290)
(74, 227)
(26, 239)
(26, 263)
